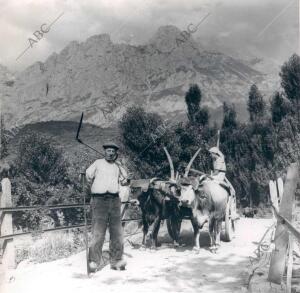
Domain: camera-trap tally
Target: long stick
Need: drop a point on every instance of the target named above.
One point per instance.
(85, 225)
(80, 141)
(218, 140)
(289, 271)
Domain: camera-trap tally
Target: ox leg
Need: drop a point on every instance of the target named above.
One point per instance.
(145, 232)
(156, 226)
(218, 226)
(196, 235)
(176, 225)
(212, 234)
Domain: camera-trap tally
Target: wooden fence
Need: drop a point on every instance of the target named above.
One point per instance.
(7, 235)
(283, 206)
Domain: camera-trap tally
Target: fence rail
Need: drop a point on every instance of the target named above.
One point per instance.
(11, 236)
(49, 207)
(7, 234)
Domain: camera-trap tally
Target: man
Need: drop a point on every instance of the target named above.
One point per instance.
(219, 166)
(107, 174)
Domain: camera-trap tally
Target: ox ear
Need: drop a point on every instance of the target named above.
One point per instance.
(201, 179)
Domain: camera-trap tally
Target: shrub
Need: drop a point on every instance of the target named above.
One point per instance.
(40, 161)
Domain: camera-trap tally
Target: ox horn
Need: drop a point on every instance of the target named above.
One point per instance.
(188, 167)
(170, 163)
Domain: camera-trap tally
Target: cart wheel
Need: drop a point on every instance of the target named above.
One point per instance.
(229, 221)
(174, 226)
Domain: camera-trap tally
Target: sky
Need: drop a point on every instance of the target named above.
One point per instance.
(242, 28)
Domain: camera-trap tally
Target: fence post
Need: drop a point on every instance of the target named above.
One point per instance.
(278, 257)
(6, 226)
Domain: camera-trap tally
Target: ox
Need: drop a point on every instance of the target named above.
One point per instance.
(208, 201)
(157, 205)
(158, 202)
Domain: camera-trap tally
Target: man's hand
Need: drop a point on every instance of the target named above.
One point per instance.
(80, 176)
(134, 202)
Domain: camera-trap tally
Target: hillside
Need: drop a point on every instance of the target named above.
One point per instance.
(62, 134)
(102, 79)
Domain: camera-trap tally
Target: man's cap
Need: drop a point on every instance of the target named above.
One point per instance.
(110, 144)
(215, 150)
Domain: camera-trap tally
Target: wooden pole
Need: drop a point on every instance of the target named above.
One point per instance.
(218, 140)
(6, 226)
(82, 179)
(278, 258)
(289, 265)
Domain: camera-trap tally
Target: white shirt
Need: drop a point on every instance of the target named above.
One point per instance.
(107, 176)
(219, 164)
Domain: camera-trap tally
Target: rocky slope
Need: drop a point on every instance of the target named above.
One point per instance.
(102, 79)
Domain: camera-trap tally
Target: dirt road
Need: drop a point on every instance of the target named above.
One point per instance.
(164, 270)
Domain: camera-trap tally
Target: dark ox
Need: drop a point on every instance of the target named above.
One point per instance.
(208, 200)
(155, 208)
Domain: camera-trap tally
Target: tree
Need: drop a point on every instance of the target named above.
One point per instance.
(3, 141)
(256, 104)
(144, 135)
(279, 107)
(229, 128)
(290, 80)
(193, 99)
(40, 161)
(42, 178)
(229, 120)
(202, 116)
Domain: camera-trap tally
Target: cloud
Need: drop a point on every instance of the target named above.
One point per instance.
(231, 25)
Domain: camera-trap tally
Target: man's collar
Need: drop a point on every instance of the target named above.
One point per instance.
(110, 162)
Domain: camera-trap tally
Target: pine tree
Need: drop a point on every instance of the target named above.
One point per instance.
(290, 81)
(144, 135)
(230, 119)
(256, 104)
(193, 99)
(202, 116)
(279, 107)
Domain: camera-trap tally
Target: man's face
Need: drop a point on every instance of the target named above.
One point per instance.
(110, 154)
(214, 156)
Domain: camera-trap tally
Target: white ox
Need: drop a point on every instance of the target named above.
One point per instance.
(208, 201)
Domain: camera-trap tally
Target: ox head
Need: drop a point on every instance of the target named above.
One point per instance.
(188, 188)
(142, 187)
(185, 188)
(189, 184)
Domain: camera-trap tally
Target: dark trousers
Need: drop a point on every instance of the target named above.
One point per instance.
(106, 212)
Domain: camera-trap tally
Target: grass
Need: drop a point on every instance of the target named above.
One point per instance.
(57, 245)
(51, 246)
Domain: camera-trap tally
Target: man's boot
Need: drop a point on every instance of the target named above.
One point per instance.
(93, 266)
(119, 265)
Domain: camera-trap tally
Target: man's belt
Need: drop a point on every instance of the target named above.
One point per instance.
(106, 195)
(223, 171)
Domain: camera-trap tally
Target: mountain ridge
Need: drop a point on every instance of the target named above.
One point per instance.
(103, 78)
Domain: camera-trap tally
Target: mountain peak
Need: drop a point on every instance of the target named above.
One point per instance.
(167, 30)
(169, 37)
(99, 39)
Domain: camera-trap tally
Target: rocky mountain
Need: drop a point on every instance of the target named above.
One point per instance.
(102, 79)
